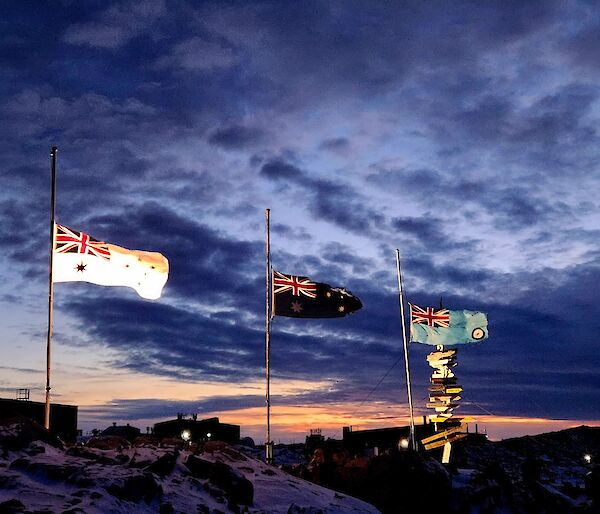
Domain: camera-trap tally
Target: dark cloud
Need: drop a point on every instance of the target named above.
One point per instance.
(335, 202)
(427, 229)
(277, 169)
(158, 339)
(289, 232)
(150, 408)
(582, 48)
(338, 145)
(235, 136)
(339, 254)
(513, 208)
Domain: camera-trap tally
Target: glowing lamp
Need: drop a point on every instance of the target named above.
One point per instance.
(404, 444)
(587, 458)
(186, 435)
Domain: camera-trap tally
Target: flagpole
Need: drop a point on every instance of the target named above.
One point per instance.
(53, 152)
(402, 320)
(268, 444)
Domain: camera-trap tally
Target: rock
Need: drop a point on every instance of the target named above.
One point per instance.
(247, 442)
(238, 488)
(16, 433)
(173, 442)
(11, 507)
(592, 485)
(145, 440)
(90, 454)
(108, 442)
(217, 493)
(224, 449)
(163, 465)
(35, 449)
(56, 472)
(297, 509)
(399, 482)
(20, 463)
(200, 468)
(9, 481)
(166, 508)
(81, 479)
(136, 488)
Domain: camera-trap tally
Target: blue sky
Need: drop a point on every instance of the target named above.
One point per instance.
(464, 134)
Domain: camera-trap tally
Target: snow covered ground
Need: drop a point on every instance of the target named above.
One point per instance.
(38, 475)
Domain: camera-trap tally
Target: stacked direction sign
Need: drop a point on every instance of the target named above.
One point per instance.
(443, 327)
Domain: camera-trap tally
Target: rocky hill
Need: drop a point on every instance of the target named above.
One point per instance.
(543, 474)
(38, 474)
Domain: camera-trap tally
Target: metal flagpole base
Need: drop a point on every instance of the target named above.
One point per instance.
(269, 452)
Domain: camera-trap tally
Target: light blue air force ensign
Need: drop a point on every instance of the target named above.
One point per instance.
(464, 327)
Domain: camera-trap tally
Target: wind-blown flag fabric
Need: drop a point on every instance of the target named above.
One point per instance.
(429, 325)
(299, 297)
(81, 258)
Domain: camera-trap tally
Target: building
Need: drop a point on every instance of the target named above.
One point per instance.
(197, 431)
(126, 431)
(381, 440)
(63, 418)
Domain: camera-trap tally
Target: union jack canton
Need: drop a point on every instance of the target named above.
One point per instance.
(297, 285)
(430, 316)
(72, 241)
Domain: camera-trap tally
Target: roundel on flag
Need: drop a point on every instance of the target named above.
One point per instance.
(477, 334)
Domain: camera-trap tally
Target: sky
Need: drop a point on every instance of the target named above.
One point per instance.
(462, 133)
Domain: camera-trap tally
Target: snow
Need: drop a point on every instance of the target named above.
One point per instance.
(44, 477)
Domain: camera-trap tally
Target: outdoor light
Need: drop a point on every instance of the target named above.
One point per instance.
(208, 434)
(404, 444)
(587, 458)
(186, 435)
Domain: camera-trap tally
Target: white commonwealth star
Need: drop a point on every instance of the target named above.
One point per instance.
(296, 307)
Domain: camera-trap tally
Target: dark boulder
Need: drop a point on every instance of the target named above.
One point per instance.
(108, 442)
(90, 454)
(297, 509)
(199, 468)
(239, 489)
(163, 465)
(55, 472)
(136, 488)
(18, 432)
(13, 506)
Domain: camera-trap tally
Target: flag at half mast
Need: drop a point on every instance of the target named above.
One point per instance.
(78, 257)
(429, 325)
(299, 297)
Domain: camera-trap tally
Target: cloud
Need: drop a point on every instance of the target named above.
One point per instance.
(335, 202)
(117, 25)
(277, 169)
(199, 55)
(235, 136)
(338, 145)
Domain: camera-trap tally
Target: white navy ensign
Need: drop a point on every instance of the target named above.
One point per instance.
(81, 258)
